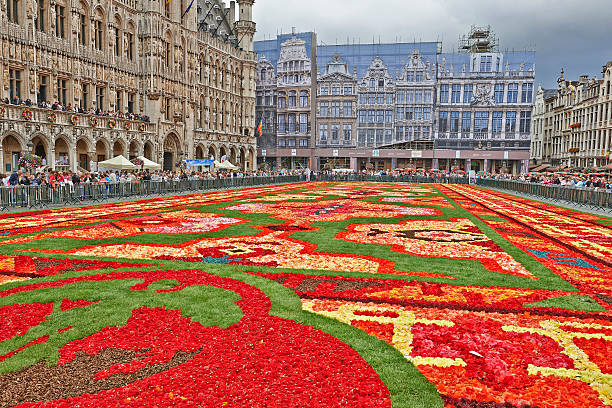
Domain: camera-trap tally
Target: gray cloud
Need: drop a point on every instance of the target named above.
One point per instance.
(575, 35)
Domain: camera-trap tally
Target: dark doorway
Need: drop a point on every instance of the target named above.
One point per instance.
(168, 161)
(84, 161)
(40, 151)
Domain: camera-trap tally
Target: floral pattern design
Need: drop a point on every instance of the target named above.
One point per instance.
(494, 300)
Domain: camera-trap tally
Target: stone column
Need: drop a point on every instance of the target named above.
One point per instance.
(72, 157)
(51, 157)
(485, 166)
(2, 170)
(354, 163)
(435, 163)
(314, 162)
(468, 164)
(91, 157)
(393, 163)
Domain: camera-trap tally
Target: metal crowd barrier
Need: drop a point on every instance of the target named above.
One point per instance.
(586, 197)
(42, 196)
(391, 178)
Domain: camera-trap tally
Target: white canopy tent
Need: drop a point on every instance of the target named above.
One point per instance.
(117, 162)
(225, 165)
(148, 164)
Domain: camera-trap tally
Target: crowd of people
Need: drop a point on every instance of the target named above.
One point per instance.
(55, 178)
(572, 180)
(57, 106)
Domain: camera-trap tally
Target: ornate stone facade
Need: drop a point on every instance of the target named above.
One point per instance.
(265, 108)
(337, 107)
(574, 123)
(294, 113)
(484, 104)
(190, 70)
(376, 106)
(416, 107)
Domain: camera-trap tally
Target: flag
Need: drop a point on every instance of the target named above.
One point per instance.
(259, 128)
(167, 2)
(188, 8)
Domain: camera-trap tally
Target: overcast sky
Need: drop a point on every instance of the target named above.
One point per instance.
(573, 34)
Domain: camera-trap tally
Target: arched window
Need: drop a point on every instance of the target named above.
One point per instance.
(41, 15)
(222, 76)
(292, 99)
(282, 100)
(202, 116)
(118, 34)
(167, 51)
(201, 68)
(60, 20)
(83, 36)
(183, 56)
(98, 30)
(13, 11)
(303, 99)
(129, 42)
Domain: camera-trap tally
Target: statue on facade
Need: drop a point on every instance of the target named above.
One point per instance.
(52, 18)
(482, 95)
(75, 23)
(32, 8)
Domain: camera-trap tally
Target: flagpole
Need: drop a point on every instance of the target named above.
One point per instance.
(151, 67)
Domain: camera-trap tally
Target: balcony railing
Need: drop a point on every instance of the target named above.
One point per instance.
(33, 114)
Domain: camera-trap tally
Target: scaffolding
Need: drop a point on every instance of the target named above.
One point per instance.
(479, 39)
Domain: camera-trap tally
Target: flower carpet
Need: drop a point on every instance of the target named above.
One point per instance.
(308, 295)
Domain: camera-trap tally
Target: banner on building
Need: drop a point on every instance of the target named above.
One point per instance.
(207, 163)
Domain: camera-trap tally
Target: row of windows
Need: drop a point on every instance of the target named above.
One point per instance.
(462, 122)
(498, 93)
(374, 83)
(293, 123)
(293, 79)
(291, 142)
(379, 136)
(415, 76)
(413, 113)
(333, 130)
(16, 84)
(411, 132)
(14, 14)
(292, 66)
(375, 98)
(337, 90)
(292, 100)
(268, 100)
(334, 109)
(386, 116)
(375, 116)
(414, 96)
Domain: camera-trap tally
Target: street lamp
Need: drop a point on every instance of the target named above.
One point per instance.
(30, 145)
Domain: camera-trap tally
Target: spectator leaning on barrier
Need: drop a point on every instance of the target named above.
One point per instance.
(14, 178)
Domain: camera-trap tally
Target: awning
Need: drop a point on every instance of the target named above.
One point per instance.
(541, 167)
(148, 164)
(117, 162)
